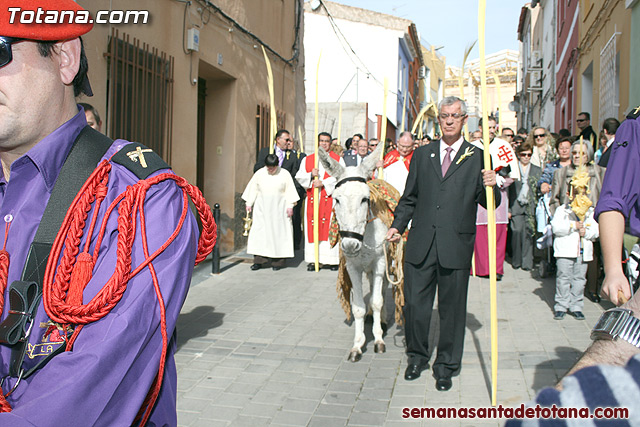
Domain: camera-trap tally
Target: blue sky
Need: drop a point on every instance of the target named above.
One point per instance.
(454, 23)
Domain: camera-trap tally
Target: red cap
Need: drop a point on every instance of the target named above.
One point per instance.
(43, 19)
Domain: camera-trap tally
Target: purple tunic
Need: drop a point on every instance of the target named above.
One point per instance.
(622, 180)
(107, 376)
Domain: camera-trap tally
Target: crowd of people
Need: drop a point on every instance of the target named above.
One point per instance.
(537, 180)
(554, 202)
(546, 188)
(551, 203)
(297, 215)
(607, 375)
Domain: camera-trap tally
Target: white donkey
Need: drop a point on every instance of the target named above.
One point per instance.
(363, 238)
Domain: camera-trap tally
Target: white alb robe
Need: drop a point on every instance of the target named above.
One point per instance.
(396, 174)
(271, 233)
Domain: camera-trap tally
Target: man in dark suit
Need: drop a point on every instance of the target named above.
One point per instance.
(586, 131)
(446, 182)
(362, 150)
(290, 161)
(288, 158)
(609, 128)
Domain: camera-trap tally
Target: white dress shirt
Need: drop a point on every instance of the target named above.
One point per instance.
(455, 147)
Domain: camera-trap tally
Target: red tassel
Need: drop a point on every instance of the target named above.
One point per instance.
(82, 272)
(4, 273)
(4, 405)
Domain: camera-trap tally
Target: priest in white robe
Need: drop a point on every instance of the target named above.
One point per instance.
(270, 195)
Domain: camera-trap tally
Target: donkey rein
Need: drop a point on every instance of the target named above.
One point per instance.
(398, 257)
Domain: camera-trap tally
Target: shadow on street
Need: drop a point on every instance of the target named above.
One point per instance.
(197, 323)
(549, 372)
(474, 325)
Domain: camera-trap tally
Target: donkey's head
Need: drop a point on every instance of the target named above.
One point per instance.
(352, 197)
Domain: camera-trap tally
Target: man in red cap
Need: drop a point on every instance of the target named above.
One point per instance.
(97, 349)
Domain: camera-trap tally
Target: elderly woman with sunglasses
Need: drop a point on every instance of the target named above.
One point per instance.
(543, 147)
(522, 202)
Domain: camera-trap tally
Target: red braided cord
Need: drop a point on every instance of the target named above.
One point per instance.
(4, 274)
(4, 266)
(130, 204)
(70, 239)
(155, 389)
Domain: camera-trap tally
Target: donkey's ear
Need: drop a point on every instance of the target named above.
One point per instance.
(332, 167)
(369, 163)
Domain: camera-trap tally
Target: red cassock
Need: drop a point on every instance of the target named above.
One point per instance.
(326, 203)
(393, 156)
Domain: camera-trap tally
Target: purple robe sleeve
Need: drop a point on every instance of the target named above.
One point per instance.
(106, 377)
(621, 181)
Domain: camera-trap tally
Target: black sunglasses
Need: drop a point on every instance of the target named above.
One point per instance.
(5, 49)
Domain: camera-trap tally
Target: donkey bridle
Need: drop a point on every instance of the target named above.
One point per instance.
(351, 234)
(351, 179)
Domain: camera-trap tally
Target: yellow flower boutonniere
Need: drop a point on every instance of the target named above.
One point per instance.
(468, 152)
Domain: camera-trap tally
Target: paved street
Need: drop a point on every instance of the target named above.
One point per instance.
(270, 348)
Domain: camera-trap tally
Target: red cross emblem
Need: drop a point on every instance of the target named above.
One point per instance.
(505, 155)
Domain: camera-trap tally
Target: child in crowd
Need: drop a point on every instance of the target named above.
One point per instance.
(574, 230)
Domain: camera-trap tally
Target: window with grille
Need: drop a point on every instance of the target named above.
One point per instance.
(140, 94)
(609, 78)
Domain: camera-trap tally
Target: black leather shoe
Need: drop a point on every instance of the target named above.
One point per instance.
(255, 267)
(499, 277)
(443, 384)
(334, 268)
(413, 371)
(311, 267)
(277, 268)
(593, 297)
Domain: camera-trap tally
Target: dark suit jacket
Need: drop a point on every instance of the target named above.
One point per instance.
(291, 163)
(589, 135)
(514, 190)
(443, 209)
(604, 159)
(350, 159)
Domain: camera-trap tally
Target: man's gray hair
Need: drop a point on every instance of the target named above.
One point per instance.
(450, 100)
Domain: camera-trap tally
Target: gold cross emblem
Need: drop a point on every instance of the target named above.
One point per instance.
(637, 110)
(138, 154)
